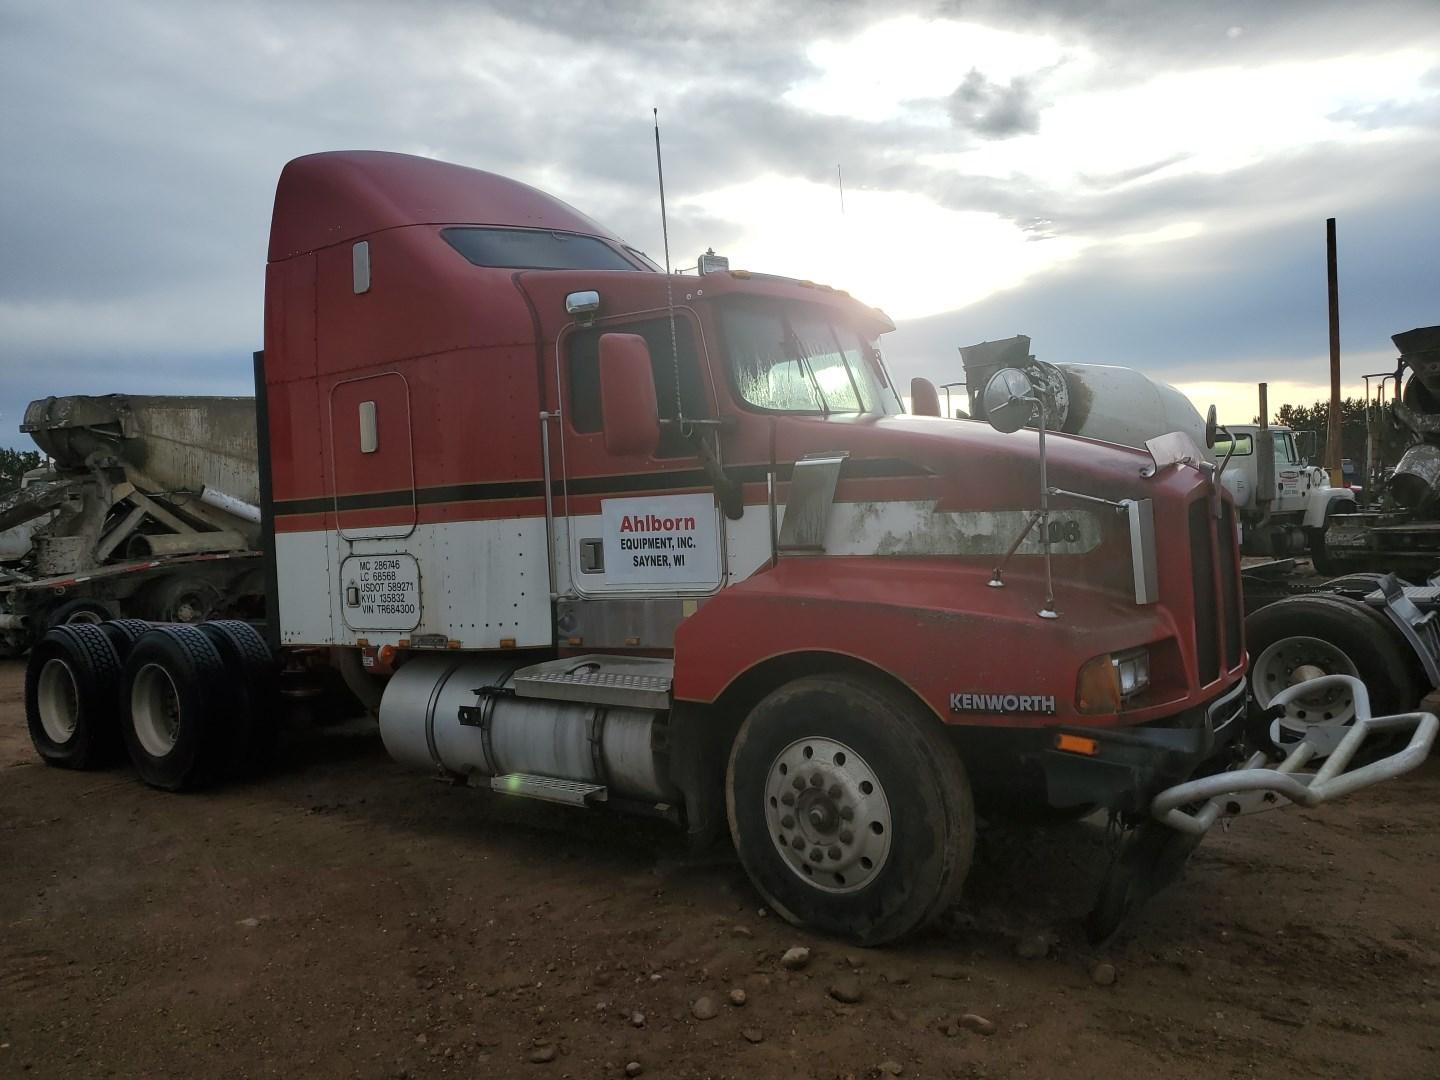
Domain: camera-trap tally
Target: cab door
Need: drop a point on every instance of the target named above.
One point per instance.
(1290, 489)
(640, 526)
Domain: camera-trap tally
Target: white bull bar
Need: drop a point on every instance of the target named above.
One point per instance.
(1194, 806)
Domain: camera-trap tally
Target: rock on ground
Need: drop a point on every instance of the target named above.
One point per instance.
(795, 958)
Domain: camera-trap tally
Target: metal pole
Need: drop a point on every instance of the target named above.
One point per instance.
(1333, 450)
(1264, 458)
(549, 500)
(1048, 611)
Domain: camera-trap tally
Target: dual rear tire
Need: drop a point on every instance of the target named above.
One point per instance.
(71, 690)
(189, 704)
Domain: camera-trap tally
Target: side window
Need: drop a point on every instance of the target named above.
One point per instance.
(1284, 451)
(583, 363)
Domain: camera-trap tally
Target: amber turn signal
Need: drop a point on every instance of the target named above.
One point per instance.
(1097, 688)
(1077, 744)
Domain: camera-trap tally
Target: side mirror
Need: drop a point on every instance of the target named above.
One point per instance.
(1009, 400)
(582, 304)
(1210, 427)
(924, 398)
(1305, 446)
(627, 396)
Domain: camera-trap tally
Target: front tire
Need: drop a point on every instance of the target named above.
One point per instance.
(850, 810)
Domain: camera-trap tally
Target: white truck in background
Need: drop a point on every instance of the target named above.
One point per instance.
(149, 510)
(1285, 502)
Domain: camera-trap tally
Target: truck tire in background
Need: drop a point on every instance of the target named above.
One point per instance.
(78, 611)
(252, 673)
(180, 598)
(1337, 636)
(850, 810)
(123, 633)
(1319, 556)
(177, 708)
(71, 682)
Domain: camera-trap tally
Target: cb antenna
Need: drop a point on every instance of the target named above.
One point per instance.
(669, 285)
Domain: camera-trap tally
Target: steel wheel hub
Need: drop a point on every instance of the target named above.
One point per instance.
(155, 710)
(828, 815)
(1292, 660)
(59, 701)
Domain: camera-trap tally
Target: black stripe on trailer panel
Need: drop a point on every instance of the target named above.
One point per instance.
(627, 483)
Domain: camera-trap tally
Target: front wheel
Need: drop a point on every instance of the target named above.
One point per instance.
(850, 810)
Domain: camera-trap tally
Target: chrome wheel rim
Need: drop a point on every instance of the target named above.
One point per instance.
(828, 815)
(1279, 667)
(59, 701)
(155, 710)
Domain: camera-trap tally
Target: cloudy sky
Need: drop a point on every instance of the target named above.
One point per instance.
(1134, 183)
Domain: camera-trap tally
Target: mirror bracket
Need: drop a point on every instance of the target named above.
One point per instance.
(1010, 403)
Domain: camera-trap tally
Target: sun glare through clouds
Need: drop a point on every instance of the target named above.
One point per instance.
(1091, 134)
(894, 250)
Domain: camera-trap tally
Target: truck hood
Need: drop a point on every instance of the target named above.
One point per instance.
(966, 462)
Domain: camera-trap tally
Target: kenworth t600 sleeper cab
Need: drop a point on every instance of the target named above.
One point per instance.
(593, 534)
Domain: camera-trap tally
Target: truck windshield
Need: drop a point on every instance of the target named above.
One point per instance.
(1244, 445)
(535, 249)
(799, 359)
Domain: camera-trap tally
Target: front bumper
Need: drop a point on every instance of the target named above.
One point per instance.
(1130, 766)
(1194, 806)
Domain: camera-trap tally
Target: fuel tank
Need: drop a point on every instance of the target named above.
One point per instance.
(422, 725)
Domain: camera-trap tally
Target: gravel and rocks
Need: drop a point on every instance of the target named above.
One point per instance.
(426, 930)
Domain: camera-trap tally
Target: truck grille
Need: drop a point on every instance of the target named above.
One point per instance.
(1202, 570)
(1218, 616)
(1230, 590)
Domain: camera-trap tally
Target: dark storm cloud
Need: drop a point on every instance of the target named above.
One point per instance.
(992, 110)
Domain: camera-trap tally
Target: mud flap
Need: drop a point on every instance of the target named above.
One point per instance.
(1150, 858)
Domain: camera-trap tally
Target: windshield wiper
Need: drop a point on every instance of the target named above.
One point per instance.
(797, 352)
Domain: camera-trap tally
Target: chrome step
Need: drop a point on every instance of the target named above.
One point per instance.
(548, 788)
(636, 682)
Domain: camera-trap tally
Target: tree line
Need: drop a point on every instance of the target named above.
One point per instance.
(1316, 418)
(14, 464)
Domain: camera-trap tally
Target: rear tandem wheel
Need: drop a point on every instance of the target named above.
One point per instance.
(71, 682)
(177, 708)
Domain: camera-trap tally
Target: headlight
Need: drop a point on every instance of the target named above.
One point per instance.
(1133, 668)
(1107, 680)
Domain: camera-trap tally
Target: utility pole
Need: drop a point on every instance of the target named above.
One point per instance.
(1333, 449)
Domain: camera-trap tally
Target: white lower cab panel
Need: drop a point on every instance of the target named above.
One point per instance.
(480, 583)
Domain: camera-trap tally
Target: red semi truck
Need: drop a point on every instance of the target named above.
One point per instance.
(588, 533)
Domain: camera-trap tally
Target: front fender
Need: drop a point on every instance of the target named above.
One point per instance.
(931, 624)
(1323, 502)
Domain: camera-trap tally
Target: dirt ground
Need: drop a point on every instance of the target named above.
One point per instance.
(344, 918)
